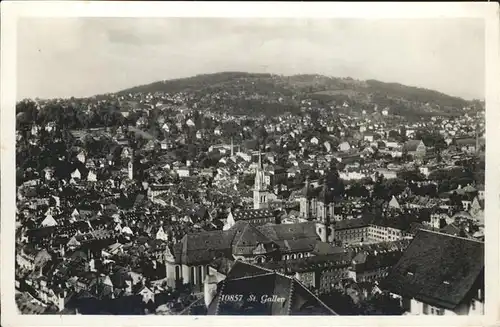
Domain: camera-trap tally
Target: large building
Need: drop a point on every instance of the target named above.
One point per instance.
(188, 261)
(439, 274)
(255, 217)
(318, 203)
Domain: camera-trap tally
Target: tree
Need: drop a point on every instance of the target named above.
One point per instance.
(261, 136)
(424, 215)
(381, 304)
(456, 200)
(379, 188)
(411, 175)
(339, 302)
(358, 190)
(395, 186)
(248, 179)
(314, 114)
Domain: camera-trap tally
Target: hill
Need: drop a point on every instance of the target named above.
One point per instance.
(240, 92)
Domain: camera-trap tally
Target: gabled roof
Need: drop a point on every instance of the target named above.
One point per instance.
(394, 203)
(246, 279)
(412, 145)
(437, 269)
(248, 239)
(350, 223)
(205, 246)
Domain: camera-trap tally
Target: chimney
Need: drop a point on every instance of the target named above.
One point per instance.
(209, 289)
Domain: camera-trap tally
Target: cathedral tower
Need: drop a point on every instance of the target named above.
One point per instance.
(325, 213)
(260, 191)
(131, 166)
(305, 200)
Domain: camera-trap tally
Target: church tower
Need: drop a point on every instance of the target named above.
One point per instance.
(325, 208)
(260, 191)
(131, 166)
(305, 200)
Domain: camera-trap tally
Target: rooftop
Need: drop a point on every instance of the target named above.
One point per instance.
(437, 269)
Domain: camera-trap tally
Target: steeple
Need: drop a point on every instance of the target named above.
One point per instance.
(306, 199)
(131, 165)
(325, 211)
(259, 192)
(260, 160)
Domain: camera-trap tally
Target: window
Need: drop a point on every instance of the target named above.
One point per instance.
(191, 275)
(433, 310)
(199, 276)
(426, 309)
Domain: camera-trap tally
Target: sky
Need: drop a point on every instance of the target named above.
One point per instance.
(64, 57)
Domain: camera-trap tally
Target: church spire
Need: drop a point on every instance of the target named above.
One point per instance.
(260, 159)
(131, 165)
(260, 193)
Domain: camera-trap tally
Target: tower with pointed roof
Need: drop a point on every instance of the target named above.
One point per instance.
(131, 166)
(307, 201)
(325, 213)
(260, 194)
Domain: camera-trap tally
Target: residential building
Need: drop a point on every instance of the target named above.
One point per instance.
(439, 274)
(415, 148)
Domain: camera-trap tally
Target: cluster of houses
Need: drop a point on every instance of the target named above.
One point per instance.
(128, 231)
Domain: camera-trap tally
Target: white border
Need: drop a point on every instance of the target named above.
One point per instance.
(12, 10)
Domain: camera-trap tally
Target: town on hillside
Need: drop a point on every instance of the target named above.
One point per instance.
(244, 197)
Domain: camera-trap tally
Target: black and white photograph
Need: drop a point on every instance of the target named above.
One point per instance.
(248, 166)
